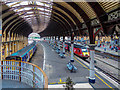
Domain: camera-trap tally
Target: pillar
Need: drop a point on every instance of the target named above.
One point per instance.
(92, 71)
(58, 47)
(23, 42)
(52, 41)
(7, 47)
(55, 43)
(12, 43)
(59, 43)
(17, 42)
(72, 46)
(8, 39)
(92, 51)
(63, 45)
(15, 46)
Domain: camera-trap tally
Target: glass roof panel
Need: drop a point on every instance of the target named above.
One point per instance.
(29, 12)
(24, 3)
(11, 3)
(33, 16)
(27, 8)
(18, 10)
(39, 3)
(16, 5)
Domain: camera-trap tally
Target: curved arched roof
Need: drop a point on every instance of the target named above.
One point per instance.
(58, 18)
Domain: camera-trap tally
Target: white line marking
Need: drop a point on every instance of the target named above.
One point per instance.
(44, 57)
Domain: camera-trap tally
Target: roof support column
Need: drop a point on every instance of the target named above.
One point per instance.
(58, 43)
(54, 42)
(63, 44)
(62, 54)
(72, 47)
(17, 43)
(12, 44)
(92, 52)
(49, 40)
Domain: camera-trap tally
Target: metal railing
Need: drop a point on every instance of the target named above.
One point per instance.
(23, 72)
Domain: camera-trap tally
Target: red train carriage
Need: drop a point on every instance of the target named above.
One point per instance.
(81, 51)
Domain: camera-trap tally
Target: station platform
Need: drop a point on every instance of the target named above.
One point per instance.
(56, 70)
(14, 84)
(38, 57)
(79, 85)
(112, 52)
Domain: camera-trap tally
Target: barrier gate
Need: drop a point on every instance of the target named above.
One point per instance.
(23, 72)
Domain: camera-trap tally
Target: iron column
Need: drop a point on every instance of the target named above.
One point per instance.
(72, 46)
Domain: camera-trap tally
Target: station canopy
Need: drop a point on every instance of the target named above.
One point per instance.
(60, 17)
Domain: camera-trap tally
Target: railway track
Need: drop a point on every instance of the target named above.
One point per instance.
(107, 63)
(109, 73)
(114, 76)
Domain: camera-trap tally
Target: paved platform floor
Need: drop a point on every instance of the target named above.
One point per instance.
(38, 57)
(79, 85)
(14, 84)
(55, 68)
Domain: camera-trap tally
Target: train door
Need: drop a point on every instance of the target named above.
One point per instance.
(78, 51)
(28, 56)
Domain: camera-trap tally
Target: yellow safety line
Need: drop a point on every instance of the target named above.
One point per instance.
(95, 74)
(57, 83)
(82, 64)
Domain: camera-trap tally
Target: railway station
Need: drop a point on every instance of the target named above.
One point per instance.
(60, 44)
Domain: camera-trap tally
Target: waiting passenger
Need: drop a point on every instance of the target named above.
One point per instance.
(116, 48)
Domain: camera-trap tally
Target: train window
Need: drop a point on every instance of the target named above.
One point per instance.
(12, 58)
(78, 50)
(26, 56)
(18, 58)
(84, 50)
(7, 58)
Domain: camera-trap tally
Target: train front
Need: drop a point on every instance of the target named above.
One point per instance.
(85, 53)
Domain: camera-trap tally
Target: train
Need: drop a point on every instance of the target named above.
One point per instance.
(24, 54)
(79, 50)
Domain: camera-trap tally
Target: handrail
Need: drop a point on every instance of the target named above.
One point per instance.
(24, 68)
